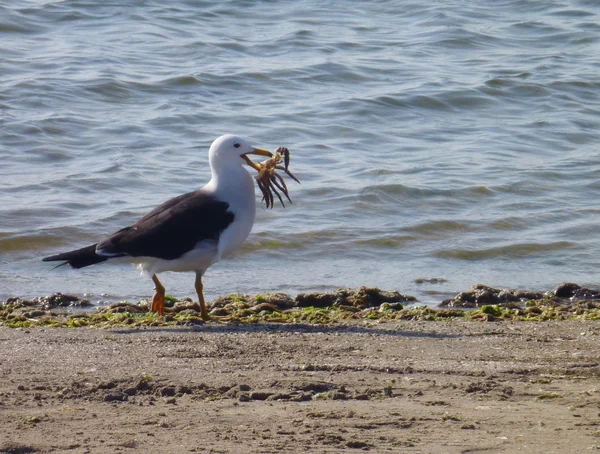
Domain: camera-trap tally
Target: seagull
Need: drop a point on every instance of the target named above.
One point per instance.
(189, 232)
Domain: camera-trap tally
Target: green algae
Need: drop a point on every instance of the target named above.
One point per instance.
(329, 308)
(548, 396)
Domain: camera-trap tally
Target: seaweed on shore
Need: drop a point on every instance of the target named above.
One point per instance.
(480, 303)
(482, 295)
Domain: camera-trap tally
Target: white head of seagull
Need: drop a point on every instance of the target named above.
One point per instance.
(230, 179)
(231, 150)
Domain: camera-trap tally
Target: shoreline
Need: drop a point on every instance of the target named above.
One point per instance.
(567, 301)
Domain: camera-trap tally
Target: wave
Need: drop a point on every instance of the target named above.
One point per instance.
(512, 251)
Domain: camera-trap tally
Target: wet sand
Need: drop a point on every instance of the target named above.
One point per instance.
(399, 386)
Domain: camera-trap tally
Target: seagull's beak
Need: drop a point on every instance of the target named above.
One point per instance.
(258, 151)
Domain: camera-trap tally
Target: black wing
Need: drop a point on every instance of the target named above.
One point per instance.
(171, 229)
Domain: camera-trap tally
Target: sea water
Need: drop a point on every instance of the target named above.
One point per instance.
(450, 140)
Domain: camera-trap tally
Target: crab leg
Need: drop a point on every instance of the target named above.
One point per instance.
(289, 173)
(267, 194)
(272, 187)
(283, 188)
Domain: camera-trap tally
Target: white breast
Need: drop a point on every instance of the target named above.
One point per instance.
(238, 192)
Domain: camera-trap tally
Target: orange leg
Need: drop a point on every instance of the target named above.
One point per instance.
(158, 302)
(199, 291)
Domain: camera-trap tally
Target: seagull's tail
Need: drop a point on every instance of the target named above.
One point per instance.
(78, 258)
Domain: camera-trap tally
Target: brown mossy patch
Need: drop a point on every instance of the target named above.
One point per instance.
(571, 290)
(364, 297)
(482, 295)
(49, 301)
(226, 305)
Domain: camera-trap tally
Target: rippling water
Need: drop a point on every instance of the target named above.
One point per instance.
(456, 140)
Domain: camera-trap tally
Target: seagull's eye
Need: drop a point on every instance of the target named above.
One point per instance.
(236, 145)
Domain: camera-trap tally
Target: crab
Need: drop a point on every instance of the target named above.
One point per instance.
(269, 181)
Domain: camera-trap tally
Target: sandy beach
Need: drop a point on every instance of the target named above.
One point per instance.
(395, 386)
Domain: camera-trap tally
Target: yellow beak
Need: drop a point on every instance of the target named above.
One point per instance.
(258, 151)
